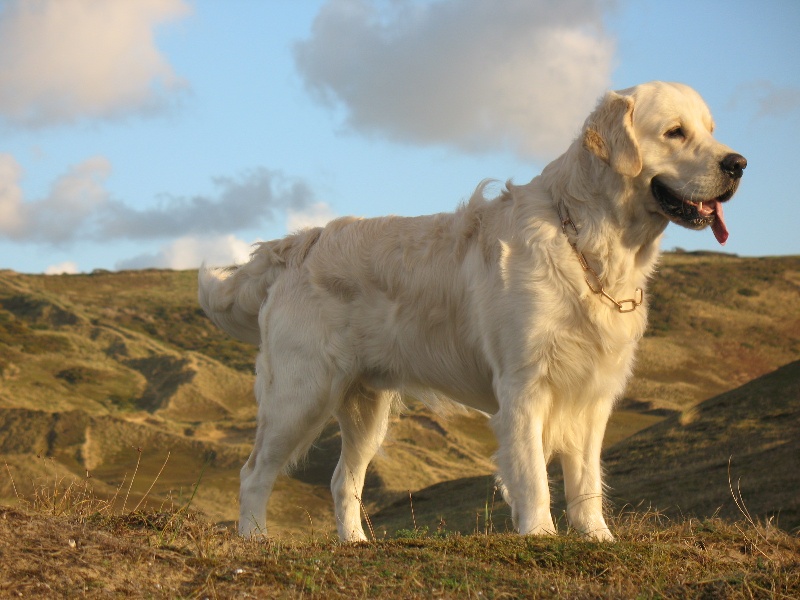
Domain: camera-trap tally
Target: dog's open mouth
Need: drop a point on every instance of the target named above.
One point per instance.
(694, 214)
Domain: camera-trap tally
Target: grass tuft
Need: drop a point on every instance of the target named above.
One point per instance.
(66, 541)
(76, 549)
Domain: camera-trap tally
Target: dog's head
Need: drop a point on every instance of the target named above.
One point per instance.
(660, 136)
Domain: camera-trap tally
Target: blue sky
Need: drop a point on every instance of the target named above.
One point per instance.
(159, 133)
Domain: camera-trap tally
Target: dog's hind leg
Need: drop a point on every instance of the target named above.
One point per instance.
(296, 398)
(363, 418)
(583, 475)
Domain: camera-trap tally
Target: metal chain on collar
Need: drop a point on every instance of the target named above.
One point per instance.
(623, 306)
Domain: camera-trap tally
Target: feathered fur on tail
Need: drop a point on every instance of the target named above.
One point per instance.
(232, 296)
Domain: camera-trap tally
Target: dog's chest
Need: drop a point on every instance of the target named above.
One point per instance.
(590, 351)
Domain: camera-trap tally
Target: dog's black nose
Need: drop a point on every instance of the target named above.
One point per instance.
(734, 164)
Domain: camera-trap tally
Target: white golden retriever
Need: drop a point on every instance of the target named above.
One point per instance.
(528, 307)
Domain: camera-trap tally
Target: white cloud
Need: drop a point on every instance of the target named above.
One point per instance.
(62, 60)
(241, 202)
(10, 194)
(477, 75)
(67, 267)
(79, 207)
(317, 214)
(189, 252)
(74, 199)
(770, 99)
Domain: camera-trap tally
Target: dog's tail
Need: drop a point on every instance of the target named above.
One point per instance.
(232, 296)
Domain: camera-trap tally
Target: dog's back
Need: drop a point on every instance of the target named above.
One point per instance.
(396, 299)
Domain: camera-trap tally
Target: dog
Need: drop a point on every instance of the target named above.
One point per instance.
(527, 307)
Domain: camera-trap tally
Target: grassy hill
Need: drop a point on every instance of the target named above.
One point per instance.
(83, 552)
(746, 439)
(733, 456)
(119, 376)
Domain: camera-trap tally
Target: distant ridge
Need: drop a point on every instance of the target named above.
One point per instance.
(678, 466)
(681, 464)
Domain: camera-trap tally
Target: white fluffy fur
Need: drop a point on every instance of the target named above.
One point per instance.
(486, 306)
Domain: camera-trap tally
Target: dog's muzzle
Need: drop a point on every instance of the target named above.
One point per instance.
(698, 214)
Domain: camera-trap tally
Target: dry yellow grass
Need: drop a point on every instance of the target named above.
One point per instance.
(50, 551)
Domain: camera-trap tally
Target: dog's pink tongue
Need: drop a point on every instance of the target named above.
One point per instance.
(719, 228)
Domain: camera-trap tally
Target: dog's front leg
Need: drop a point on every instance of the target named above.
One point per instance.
(521, 461)
(583, 475)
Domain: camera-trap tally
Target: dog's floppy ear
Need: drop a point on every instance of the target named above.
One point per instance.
(608, 134)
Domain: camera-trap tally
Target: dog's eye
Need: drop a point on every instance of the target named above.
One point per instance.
(676, 133)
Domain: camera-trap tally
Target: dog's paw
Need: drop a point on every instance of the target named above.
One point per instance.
(538, 527)
(355, 536)
(249, 528)
(600, 535)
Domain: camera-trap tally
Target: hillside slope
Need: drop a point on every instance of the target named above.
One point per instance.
(678, 467)
(681, 465)
(120, 376)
